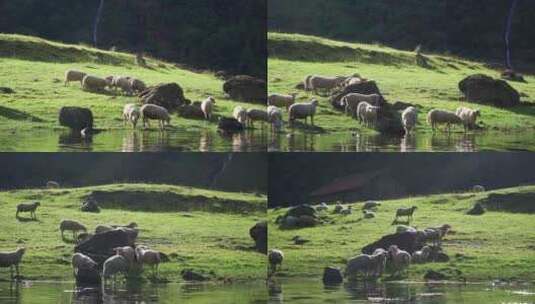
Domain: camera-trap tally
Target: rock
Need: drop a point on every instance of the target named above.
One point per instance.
(300, 210)
(259, 234)
(435, 276)
(478, 209)
(246, 88)
(367, 87)
(484, 89)
(86, 277)
(289, 222)
(511, 75)
(6, 90)
(229, 124)
(190, 275)
(90, 205)
(405, 241)
(100, 246)
(389, 121)
(299, 240)
(190, 111)
(307, 221)
(400, 105)
(167, 95)
(76, 118)
(332, 276)
(421, 61)
(441, 257)
(222, 75)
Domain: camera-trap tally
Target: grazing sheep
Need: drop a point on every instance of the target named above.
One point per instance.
(367, 214)
(338, 208)
(240, 114)
(406, 212)
(280, 100)
(112, 266)
(128, 253)
(404, 228)
(328, 83)
(359, 264)
(437, 117)
(28, 207)
(131, 114)
(421, 256)
(82, 261)
(303, 110)
(370, 116)
(52, 185)
(137, 85)
(71, 225)
(306, 83)
(103, 228)
(94, 83)
(436, 234)
(74, 75)
(468, 116)
(256, 114)
(121, 82)
(409, 117)
(351, 101)
(152, 111)
(400, 259)
(322, 207)
(478, 188)
(274, 117)
(12, 259)
(275, 258)
(347, 211)
(378, 262)
(207, 107)
(149, 257)
(371, 205)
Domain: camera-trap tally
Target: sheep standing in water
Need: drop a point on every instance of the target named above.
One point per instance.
(400, 259)
(155, 112)
(303, 110)
(131, 114)
(207, 107)
(357, 265)
(468, 116)
(74, 75)
(150, 257)
(409, 117)
(438, 117)
(352, 100)
(280, 100)
(128, 253)
(408, 212)
(256, 115)
(378, 262)
(240, 114)
(275, 257)
(28, 207)
(275, 118)
(112, 266)
(12, 260)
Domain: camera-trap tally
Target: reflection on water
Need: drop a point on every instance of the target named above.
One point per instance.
(308, 291)
(436, 142)
(62, 292)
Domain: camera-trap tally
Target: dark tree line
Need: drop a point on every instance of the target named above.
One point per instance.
(213, 34)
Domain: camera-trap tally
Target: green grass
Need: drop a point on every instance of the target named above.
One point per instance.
(34, 68)
(217, 242)
(293, 56)
(496, 245)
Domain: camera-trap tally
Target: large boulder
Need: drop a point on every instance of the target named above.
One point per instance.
(407, 241)
(229, 124)
(167, 95)
(100, 246)
(487, 90)
(246, 88)
(366, 87)
(85, 277)
(192, 111)
(259, 234)
(478, 209)
(332, 276)
(76, 118)
(301, 210)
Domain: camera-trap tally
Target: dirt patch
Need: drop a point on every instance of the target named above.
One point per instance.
(510, 202)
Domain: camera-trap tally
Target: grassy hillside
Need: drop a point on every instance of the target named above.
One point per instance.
(34, 68)
(495, 245)
(208, 232)
(293, 56)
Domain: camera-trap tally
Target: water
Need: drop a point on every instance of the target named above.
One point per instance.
(308, 291)
(428, 142)
(62, 292)
(133, 141)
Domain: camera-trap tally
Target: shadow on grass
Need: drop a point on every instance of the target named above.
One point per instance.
(18, 115)
(27, 219)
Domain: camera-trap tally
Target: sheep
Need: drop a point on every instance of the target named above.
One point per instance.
(74, 75)
(478, 188)
(351, 101)
(274, 117)
(207, 107)
(280, 100)
(128, 253)
(437, 117)
(347, 211)
(82, 261)
(94, 83)
(367, 214)
(409, 117)
(28, 207)
(379, 258)
(400, 259)
(149, 257)
(306, 83)
(275, 257)
(468, 116)
(52, 185)
(303, 110)
(121, 82)
(370, 116)
(436, 234)
(12, 259)
(320, 82)
(359, 264)
(103, 228)
(240, 114)
(152, 111)
(408, 212)
(112, 266)
(71, 225)
(256, 114)
(421, 256)
(404, 228)
(370, 205)
(338, 208)
(131, 114)
(137, 85)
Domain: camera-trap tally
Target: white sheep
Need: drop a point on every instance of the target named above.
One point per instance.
(240, 114)
(256, 115)
(409, 117)
(121, 82)
(28, 207)
(150, 257)
(280, 100)
(378, 261)
(12, 259)
(152, 111)
(274, 117)
(468, 116)
(52, 185)
(370, 116)
(361, 111)
(478, 188)
(94, 83)
(303, 110)
(408, 212)
(128, 253)
(207, 107)
(421, 256)
(400, 259)
(131, 114)
(137, 85)
(275, 257)
(351, 101)
(436, 117)
(74, 75)
(71, 225)
(82, 261)
(112, 266)
(328, 83)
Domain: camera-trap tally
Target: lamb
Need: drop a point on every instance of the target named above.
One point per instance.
(12, 259)
(82, 261)
(468, 116)
(320, 82)
(94, 83)
(409, 117)
(74, 75)
(137, 85)
(103, 228)
(352, 100)
(71, 225)
(421, 256)
(128, 253)
(28, 207)
(149, 257)
(240, 114)
(207, 107)
(274, 117)
(52, 185)
(256, 114)
(478, 188)
(408, 212)
(112, 266)
(371, 205)
(275, 257)
(131, 114)
(400, 259)
(280, 100)
(437, 117)
(303, 110)
(152, 111)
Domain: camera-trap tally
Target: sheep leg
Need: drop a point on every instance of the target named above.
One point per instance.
(312, 119)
